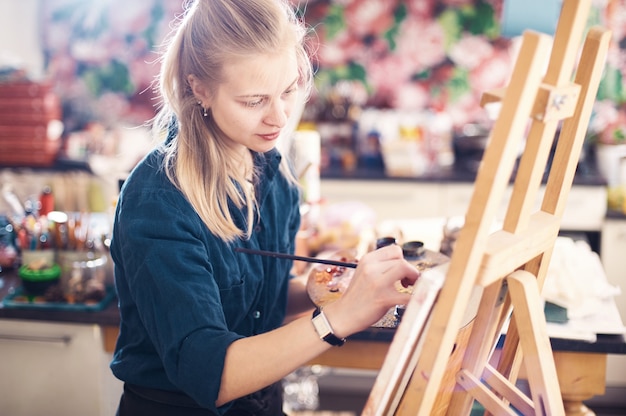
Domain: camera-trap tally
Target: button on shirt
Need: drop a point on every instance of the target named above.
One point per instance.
(184, 294)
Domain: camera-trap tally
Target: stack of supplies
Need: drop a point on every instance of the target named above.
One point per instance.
(30, 124)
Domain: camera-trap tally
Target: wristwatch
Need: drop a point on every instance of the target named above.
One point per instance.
(324, 330)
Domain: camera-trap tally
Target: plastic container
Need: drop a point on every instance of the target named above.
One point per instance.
(83, 275)
(36, 282)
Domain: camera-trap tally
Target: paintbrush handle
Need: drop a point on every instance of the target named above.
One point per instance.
(294, 257)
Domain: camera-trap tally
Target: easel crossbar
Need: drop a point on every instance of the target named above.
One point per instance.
(507, 251)
(484, 395)
(508, 390)
(552, 102)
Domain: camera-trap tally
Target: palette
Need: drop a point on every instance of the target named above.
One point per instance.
(327, 283)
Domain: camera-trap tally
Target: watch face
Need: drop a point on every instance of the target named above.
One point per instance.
(321, 326)
(324, 330)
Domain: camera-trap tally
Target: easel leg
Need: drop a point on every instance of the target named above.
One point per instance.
(535, 343)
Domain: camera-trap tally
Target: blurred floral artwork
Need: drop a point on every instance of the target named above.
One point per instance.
(608, 123)
(439, 55)
(102, 57)
(411, 55)
(431, 55)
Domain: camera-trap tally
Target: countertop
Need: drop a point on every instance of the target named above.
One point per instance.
(9, 281)
(109, 316)
(587, 175)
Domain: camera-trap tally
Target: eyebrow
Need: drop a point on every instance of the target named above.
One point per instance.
(295, 81)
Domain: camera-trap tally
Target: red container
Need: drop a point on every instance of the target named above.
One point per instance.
(30, 124)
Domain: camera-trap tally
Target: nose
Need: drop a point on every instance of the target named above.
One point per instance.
(277, 114)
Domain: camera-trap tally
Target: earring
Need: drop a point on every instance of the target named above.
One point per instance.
(204, 110)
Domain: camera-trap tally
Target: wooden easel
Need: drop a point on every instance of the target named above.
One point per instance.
(509, 264)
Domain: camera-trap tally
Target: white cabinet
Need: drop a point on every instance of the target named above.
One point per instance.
(55, 369)
(585, 209)
(389, 200)
(612, 252)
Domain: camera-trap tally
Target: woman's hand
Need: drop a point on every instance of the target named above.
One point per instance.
(372, 291)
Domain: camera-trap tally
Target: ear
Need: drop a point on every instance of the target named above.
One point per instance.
(200, 91)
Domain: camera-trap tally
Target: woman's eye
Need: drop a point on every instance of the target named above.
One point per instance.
(254, 103)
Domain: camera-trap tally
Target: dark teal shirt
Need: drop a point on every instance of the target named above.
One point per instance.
(184, 294)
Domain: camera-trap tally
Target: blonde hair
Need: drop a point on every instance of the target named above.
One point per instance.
(198, 160)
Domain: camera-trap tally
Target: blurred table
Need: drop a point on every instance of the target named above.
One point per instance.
(581, 365)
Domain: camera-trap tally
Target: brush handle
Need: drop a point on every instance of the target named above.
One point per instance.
(294, 257)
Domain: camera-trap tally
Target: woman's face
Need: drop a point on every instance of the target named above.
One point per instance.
(254, 102)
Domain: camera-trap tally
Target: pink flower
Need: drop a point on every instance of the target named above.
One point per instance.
(421, 9)
(143, 72)
(369, 17)
(458, 3)
(466, 110)
(616, 58)
(605, 115)
(615, 132)
(385, 75)
(615, 18)
(342, 49)
(422, 41)
(471, 51)
(409, 96)
(491, 73)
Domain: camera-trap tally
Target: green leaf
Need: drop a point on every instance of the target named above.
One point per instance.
(112, 77)
(450, 21)
(480, 20)
(459, 85)
(399, 14)
(327, 78)
(612, 86)
(357, 72)
(422, 75)
(350, 71)
(334, 21)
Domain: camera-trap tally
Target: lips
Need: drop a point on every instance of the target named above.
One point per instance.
(271, 136)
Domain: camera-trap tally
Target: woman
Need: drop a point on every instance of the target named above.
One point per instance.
(202, 328)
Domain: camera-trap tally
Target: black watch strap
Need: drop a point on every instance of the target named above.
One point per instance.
(324, 330)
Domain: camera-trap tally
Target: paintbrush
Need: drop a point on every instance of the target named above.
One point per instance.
(294, 257)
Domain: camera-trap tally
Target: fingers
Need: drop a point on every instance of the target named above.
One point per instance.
(404, 273)
(410, 275)
(389, 261)
(374, 286)
(387, 253)
(370, 296)
(380, 270)
(381, 255)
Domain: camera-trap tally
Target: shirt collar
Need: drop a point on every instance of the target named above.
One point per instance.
(268, 162)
